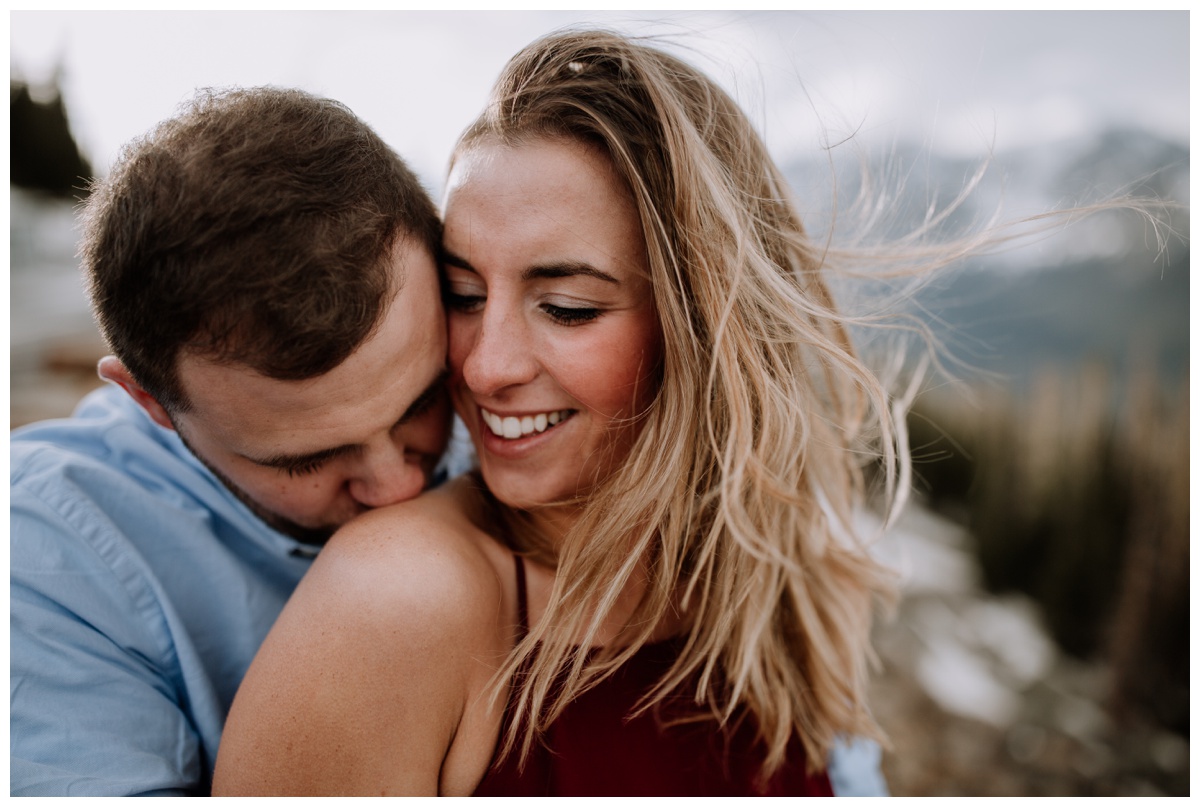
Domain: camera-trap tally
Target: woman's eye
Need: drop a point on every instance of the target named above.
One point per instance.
(570, 316)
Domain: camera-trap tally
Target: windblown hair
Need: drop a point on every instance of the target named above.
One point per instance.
(255, 227)
(740, 493)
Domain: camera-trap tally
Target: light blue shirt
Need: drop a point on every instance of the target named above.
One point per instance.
(855, 769)
(140, 590)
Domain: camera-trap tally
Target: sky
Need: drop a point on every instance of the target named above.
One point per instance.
(959, 83)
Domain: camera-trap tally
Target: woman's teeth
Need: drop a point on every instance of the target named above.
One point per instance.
(511, 428)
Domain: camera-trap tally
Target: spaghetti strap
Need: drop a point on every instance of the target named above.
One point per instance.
(522, 603)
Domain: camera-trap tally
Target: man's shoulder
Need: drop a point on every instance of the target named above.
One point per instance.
(107, 430)
(109, 482)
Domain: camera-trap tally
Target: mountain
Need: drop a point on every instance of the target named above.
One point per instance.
(1126, 312)
(1098, 290)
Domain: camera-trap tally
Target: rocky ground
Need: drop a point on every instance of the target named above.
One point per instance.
(978, 702)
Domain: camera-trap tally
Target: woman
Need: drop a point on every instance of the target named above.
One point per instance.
(655, 589)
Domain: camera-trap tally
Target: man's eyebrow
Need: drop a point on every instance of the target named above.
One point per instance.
(462, 263)
(426, 398)
(547, 271)
(418, 407)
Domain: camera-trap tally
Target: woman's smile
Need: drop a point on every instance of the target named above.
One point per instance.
(511, 427)
(519, 437)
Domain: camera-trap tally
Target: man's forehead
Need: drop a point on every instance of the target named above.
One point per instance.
(260, 417)
(367, 392)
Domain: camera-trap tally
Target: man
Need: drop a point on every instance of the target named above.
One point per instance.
(262, 268)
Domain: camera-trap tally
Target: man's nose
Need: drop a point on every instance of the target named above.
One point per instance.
(387, 476)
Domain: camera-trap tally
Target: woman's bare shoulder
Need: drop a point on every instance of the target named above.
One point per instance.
(364, 682)
(428, 548)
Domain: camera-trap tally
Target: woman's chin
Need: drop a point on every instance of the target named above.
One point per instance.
(537, 497)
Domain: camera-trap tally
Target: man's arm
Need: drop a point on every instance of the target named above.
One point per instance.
(94, 709)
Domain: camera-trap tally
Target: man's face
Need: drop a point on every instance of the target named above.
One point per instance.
(310, 455)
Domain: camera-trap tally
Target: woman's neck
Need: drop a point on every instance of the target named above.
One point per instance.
(548, 528)
(539, 535)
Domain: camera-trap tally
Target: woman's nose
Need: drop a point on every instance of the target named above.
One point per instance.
(500, 353)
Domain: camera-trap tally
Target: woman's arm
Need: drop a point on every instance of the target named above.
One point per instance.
(365, 683)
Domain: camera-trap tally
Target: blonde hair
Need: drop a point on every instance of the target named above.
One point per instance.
(740, 493)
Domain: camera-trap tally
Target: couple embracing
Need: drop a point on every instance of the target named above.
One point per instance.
(645, 584)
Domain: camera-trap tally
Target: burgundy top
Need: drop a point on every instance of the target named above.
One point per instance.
(592, 749)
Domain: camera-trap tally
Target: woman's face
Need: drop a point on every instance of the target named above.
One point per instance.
(554, 341)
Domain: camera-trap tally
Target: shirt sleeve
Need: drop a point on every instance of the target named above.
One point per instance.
(854, 768)
(94, 705)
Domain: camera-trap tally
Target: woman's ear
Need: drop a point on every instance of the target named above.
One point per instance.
(111, 369)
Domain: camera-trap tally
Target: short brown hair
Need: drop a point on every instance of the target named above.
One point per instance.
(254, 227)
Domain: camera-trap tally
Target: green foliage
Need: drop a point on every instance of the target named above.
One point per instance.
(44, 155)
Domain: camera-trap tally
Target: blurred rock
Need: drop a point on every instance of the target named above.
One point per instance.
(54, 344)
(977, 700)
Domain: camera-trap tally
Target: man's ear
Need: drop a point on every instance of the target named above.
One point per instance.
(111, 369)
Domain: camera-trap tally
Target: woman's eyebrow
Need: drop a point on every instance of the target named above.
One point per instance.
(547, 271)
(567, 269)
